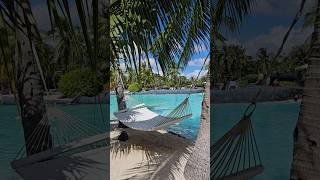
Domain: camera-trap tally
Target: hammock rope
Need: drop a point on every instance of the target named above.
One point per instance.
(236, 155)
(59, 128)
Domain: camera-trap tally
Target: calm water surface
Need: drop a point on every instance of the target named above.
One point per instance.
(11, 136)
(273, 125)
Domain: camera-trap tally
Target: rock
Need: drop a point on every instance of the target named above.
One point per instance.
(123, 136)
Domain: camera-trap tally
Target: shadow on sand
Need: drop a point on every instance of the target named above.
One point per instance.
(89, 165)
(162, 155)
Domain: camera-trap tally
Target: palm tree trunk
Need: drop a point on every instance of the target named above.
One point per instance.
(120, 94)
(30, 94)
(306, 152)
(198, 165)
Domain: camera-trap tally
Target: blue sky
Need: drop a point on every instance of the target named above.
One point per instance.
(265, 27)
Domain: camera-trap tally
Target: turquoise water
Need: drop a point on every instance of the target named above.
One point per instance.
(273, 125)
(11, 136)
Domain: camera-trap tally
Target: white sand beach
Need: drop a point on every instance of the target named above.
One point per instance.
(153, 155)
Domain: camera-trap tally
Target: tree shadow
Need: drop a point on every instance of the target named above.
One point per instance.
(163, 152)
(89, 165)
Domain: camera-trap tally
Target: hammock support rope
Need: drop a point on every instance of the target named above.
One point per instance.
(236, 155)
(63, 129)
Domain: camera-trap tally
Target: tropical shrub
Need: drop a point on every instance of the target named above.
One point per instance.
(288, 84)
(251, 78)
(135, 87)
(243, 82)
(80, 83)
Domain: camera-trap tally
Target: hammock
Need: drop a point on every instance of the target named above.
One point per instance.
(69, 135)
(141, 118)
(236, 154)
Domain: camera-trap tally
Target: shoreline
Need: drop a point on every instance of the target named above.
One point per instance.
(101, 98)
(165, 91)
(290, 100)
(239, 95)
(246, 94)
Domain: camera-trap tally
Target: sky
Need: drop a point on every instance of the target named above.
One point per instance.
(265, 27)
(268, 23)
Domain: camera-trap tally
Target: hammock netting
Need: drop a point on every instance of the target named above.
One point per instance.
(183, 109)
(236, 154)
(60, 128)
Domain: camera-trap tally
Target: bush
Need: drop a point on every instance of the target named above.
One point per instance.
(243, 82)
(288, 83)
(135, 87)
(80, 83)
(251, 78)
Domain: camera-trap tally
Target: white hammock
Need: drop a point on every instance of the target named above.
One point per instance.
(141, 118)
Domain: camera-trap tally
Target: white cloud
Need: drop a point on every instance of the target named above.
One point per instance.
(273, 38)
(195, 73)
(198, 62)
(154, 66)
(200, 48)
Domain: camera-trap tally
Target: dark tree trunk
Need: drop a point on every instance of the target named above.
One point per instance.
(30, 94)
(306, 152)
(120, 95)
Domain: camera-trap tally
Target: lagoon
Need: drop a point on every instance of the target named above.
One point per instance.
(165, 103)
(273, 124)
(11, 135)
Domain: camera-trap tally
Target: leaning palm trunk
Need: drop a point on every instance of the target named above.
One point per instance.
(30, 93)
(120, 94)
(198, 165)
(306, 152)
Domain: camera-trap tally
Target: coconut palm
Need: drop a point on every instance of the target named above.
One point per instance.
(230, 63)
(29, 80)
(169, 32)
(229, 13)
(25, 74)
(264, 59)
(306, 155)
(223, 12)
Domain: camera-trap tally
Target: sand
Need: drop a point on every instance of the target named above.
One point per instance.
(148, 155)
(153, 155)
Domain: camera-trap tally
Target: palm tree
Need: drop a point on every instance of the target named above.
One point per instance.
(185, 23)
(229, 13)
(230, 62)
(306, 157)
(170, 31)
(25, 74)
(29, 81)
(264, 62)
